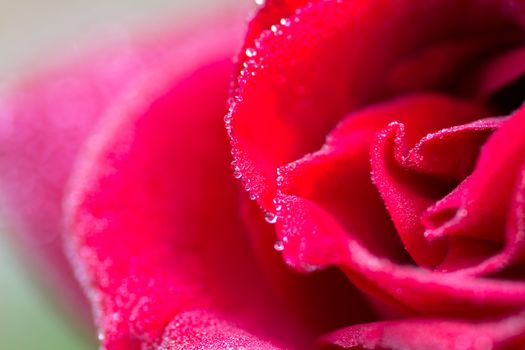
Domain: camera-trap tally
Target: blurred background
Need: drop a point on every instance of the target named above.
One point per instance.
(32, 31)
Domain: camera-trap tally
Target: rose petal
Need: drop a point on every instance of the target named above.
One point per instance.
(431, 334)
(323, 62)
(438, 65)
(338, 177)
(271, 12)
(154, 214)
(200, 330)
(513, 251)
(44, 121)
(500, 71)
(482, 202)
(321, 301)
(408, 183)
(315, 240)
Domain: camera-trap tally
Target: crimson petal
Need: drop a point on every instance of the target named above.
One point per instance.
(481, 203)
(153, 210)
(312, 238)
(196, 330)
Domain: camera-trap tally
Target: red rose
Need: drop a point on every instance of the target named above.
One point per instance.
(382, 138)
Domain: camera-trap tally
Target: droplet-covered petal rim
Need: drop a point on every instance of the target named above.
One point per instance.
(309, 71)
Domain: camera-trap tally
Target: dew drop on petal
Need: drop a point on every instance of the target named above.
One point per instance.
(273, 28)
(237, 174)
(278, 246)
(285, 21)
(270, 218)
(251, 52)
(260, 2)
(309, 268)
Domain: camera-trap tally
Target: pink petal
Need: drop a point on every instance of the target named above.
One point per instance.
(512, 254)
(320, 301)
(200, 330)
(43, 123)
(480, 205)
(154, 212)
(406, 193)
(500, 71)
(439, 65)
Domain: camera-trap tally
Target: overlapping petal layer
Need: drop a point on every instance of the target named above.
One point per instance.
(315, 69)
(154, 213)
(324, 61)
(172, 258)
(45, 120)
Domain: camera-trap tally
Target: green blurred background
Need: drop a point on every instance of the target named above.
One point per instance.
(30, 29)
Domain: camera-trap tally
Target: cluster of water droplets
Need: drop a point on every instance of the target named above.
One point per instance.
(252, 63)
(279, 245)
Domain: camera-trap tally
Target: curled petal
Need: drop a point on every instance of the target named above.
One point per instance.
(500, 72)
(478, 207)
(323, 62)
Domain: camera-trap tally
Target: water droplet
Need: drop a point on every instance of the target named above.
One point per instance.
(101, 336)
(285, 21)
(285, 239)
(309, 268)
(237, 174)
(273, 28)
(250, 52)
(270, 217)
(253, 197)
(260, 2)
(279, 246)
